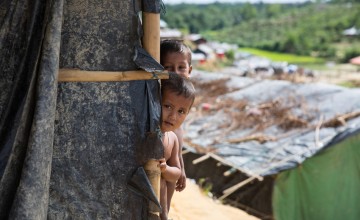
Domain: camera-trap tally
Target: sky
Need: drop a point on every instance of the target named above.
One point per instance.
(232, 1)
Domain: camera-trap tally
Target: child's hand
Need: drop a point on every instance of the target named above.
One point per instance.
(162, 164)
(181, 183)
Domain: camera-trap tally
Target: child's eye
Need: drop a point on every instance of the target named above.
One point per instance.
(182, 112)
(168, 68)
(167, 106)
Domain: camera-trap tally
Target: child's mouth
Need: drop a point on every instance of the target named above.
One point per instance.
(168, 123)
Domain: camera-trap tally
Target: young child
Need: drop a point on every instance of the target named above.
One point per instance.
(178, 95)
(175, 56)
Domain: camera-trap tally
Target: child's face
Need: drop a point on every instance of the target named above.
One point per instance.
(178, 63)
(174, 110)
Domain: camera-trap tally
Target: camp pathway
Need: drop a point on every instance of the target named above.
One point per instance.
(192, 204)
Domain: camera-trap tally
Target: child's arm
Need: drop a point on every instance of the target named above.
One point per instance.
(170, 169)
(181, 183)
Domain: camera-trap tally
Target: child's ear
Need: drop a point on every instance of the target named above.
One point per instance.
(190, 69)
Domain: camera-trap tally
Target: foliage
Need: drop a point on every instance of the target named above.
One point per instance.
(290, 58)
(350, 84)
(304, 29)
(205, 184)
(350, 53)
(230, 55)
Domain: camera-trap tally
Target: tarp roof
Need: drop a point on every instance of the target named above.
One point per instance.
(262, 127)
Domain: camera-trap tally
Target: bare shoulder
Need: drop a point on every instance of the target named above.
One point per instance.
(173, 141)
(172, 136)
(171, 144)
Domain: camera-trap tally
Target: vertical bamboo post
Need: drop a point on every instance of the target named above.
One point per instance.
(154, 174)
(151, 38)
(151, 43)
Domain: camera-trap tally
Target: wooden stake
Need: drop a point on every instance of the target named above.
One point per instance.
(201, 159)
(185, 151)
(232, 189)
(317, 131)
(256, 137)
(230, 171)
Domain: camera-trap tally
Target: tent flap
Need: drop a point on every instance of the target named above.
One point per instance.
(69, 150)
(323, 187)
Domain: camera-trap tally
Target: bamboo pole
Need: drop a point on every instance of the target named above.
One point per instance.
(151, 38)
(153, 173)
(230, 171)
(151, 43)
(232, 189)
(185, 151)
(218, 158)
(201, 159)
(76, 75)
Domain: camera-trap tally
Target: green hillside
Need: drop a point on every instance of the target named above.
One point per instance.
(304, 29)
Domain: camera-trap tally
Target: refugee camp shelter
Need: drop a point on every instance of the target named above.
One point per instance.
(79, 109)
(277, 149)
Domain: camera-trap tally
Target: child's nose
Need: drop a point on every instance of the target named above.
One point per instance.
(177, 70)
(172, 115)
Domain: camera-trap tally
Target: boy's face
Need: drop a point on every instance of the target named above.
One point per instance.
(174, 110)
(178, 63)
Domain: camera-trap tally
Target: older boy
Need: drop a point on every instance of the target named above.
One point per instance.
(175, 56)
(178, 95)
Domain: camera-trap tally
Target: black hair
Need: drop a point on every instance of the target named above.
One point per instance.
(174, 46)
(180, 85)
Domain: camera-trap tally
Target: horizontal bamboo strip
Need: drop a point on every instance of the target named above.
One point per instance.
(232, 189)
(201, 159)
(76, 75)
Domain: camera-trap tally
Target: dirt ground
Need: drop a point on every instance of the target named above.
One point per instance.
(192, 204)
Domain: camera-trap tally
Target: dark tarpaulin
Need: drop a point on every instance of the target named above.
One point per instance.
(68, 150)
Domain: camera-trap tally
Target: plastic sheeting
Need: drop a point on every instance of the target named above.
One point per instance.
(69, 150)
(216, 128)
(29, 61)
(323, 187)
(314, 102)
